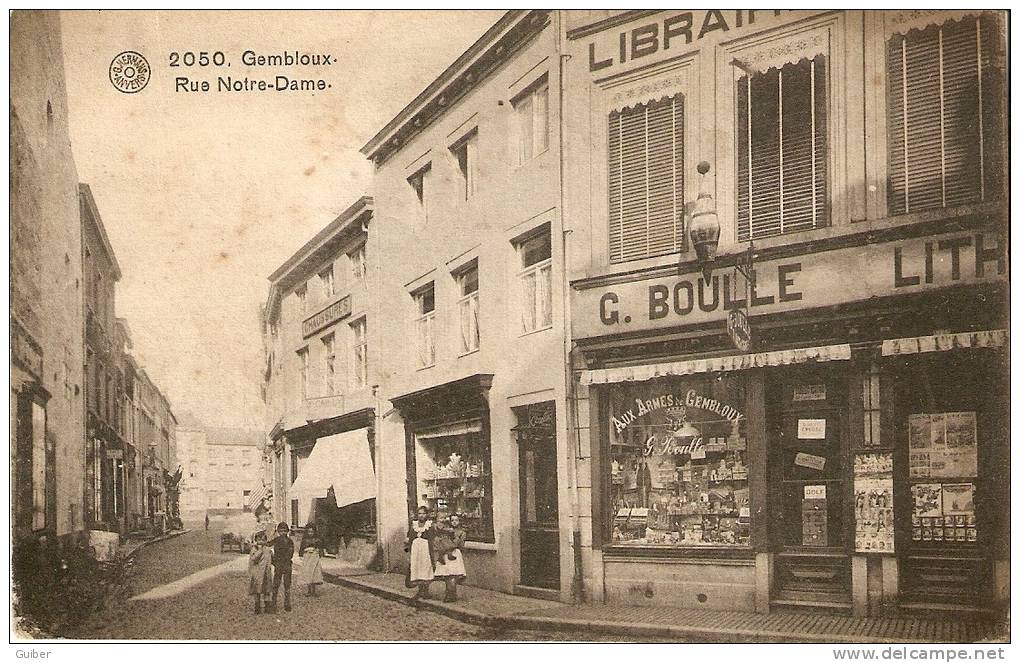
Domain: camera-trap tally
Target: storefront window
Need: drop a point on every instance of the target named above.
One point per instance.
(454, 475)
(678, 464)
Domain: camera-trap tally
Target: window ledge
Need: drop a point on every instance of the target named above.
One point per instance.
(536, 331)
(479, 545)
(711, 554)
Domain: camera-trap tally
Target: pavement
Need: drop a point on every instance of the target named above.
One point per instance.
(499, 611)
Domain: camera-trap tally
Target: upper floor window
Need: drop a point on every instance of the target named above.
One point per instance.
(302, 295)
(420, 184)
(782, 150)
(466, 154)
(425, 300)
(531, 121)
(646, 180)
(535, 255)
(944, 115)
(326, 282)
(303, 372)
(329, 353)
(359, 372)
(358, 267)
(467, 307)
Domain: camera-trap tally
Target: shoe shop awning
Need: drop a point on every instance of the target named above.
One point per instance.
(716, 364)
(995, 338)
(342, 462)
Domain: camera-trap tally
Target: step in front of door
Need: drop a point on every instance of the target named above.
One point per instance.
(813, 580)
(946, 583)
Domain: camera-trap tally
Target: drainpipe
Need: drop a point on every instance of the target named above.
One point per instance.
(577, 581)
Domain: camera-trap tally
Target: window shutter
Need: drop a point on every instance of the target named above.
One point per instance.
(782, 136)
(646, 202)
(944, 127)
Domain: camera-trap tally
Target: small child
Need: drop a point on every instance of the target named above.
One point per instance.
(260, 575)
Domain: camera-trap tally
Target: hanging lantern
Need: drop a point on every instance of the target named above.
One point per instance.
(704, 226)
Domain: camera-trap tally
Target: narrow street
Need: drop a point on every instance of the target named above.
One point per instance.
(185, 589)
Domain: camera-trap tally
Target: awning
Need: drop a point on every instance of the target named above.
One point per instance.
(257, 494)
(342, 462)
(995, 338)
(716, 364)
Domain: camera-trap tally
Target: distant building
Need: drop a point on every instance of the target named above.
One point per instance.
(46, 328)
(221, 467)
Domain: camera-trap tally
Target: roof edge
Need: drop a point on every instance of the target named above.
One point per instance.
(85, 193)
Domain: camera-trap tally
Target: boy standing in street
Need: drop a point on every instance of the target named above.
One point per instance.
(283, 564)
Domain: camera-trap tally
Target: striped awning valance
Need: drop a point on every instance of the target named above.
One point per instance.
(994, 338)
(716, 364)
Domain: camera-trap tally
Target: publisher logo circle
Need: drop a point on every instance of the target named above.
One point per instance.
(129, 72)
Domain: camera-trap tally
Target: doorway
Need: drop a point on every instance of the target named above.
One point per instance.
(540, 551)
(808, 490)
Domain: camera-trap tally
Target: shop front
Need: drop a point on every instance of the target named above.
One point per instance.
(855, 459)
(333, 483)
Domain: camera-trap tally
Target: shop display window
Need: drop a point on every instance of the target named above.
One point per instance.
(678, 464)
(454, 475)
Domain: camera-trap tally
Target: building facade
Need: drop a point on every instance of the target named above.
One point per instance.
(220, 467)
(789, 303)
(319, 383)
(106, 450)
(466, 265)
(46, 327)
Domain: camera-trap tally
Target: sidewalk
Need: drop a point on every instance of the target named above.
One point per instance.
(504, 611)
(131, 547)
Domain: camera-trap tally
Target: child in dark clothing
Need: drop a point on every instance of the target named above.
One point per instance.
(283, 565)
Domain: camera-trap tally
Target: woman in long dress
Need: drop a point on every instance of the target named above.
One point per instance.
(311, 552)
(450, 565)
(419, 538)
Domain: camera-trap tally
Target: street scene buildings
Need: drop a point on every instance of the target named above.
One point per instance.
(678, 312)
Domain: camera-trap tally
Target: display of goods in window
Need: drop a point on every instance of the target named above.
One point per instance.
(678, 467)
(453, 478)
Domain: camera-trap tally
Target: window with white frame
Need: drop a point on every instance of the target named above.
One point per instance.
(646, 179)
(466, 154)
(944, 96)
(425, 301)
(326, 284)
(303, 372)
(302, 296)
(535, 256)
(531, 121)
(359, 347)
(467, 309)
(782, 149)
(358, 267)
(420, 185)
(329, 355)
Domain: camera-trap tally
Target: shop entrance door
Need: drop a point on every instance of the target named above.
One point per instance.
(807, 485)
(540, 550)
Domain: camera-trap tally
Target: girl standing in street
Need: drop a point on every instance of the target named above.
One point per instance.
(419, 545)
(450, 567)
(260, 573)
(311, 553)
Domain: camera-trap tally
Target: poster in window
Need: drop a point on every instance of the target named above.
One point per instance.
(943, 445)
(958, 501)
(927, 500)
(873, 514)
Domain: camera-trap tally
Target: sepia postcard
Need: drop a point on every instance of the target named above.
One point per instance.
(564, 325)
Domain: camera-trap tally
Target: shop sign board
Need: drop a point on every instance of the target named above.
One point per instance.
(779, 285)
(811, 429)
(115, 454)
(809, 461)
(808, 392)
(338, 310)
(739, 328)
(690, 399)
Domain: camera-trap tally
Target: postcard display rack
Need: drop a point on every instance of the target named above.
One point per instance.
(943, 474)
(681, 491)
(453, 477)
(873, 503)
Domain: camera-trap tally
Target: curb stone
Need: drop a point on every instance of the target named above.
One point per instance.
(607, 627)
(158, 539)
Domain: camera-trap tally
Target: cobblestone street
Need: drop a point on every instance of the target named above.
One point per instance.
(218, 608)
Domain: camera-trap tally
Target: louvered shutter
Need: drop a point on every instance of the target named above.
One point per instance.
(944, 127)
(646, 202)
(782, 148)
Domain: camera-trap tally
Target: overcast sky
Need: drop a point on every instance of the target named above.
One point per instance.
(204, 195)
